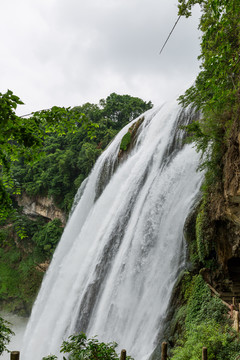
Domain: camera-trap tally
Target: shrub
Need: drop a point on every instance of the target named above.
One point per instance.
(49, 235)
(78, 347)
(219, 340)
(5, 335)
(206, 325)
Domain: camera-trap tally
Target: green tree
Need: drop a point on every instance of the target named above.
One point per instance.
(220, 341)
(68, 159)
(217, 87)
(22, 137)
(78, 347)
(5, 335)
(121, 109)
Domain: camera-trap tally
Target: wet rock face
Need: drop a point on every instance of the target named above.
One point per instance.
(234, 268)
(42, 206)
(227, 241)
(231, 180)
(229, 229)
(223, 233)
(227, 224)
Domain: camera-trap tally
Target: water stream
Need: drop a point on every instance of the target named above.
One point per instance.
(121, 252)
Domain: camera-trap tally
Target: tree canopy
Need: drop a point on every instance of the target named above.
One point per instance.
(52, 149)
(218, 81)
(80, 347)
(68, 159)
(5, 335)
(216, 90)
(22, 137)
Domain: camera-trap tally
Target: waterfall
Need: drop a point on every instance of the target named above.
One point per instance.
(114, 269)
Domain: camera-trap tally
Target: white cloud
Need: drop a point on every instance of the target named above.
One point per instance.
(67, 52)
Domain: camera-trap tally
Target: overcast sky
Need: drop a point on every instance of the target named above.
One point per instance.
(68, 52)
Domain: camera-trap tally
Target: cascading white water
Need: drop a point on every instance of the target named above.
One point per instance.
(115, 267)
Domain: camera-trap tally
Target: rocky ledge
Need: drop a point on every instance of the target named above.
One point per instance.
(43, 206)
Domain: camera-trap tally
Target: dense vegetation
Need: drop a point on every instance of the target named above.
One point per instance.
(80, 347)
(216, 91)
(69, 158)
(22, 138)
(201, 319)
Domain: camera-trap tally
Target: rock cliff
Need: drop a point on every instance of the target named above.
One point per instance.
(227, 212)
(43, 206)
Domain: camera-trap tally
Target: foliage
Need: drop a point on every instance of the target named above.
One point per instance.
(22, 138)
(206, 324)
(123, 108)
(221, 342)
(201, 306)
(21, 275)
(217, 83)
(48, 236)
(185, 6)
(216, 89)
(200, 235)
(78, 347)
(5, 335)
(68, 159)
(20, 280)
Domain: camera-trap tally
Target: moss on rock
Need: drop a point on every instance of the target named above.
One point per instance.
(126, 140)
